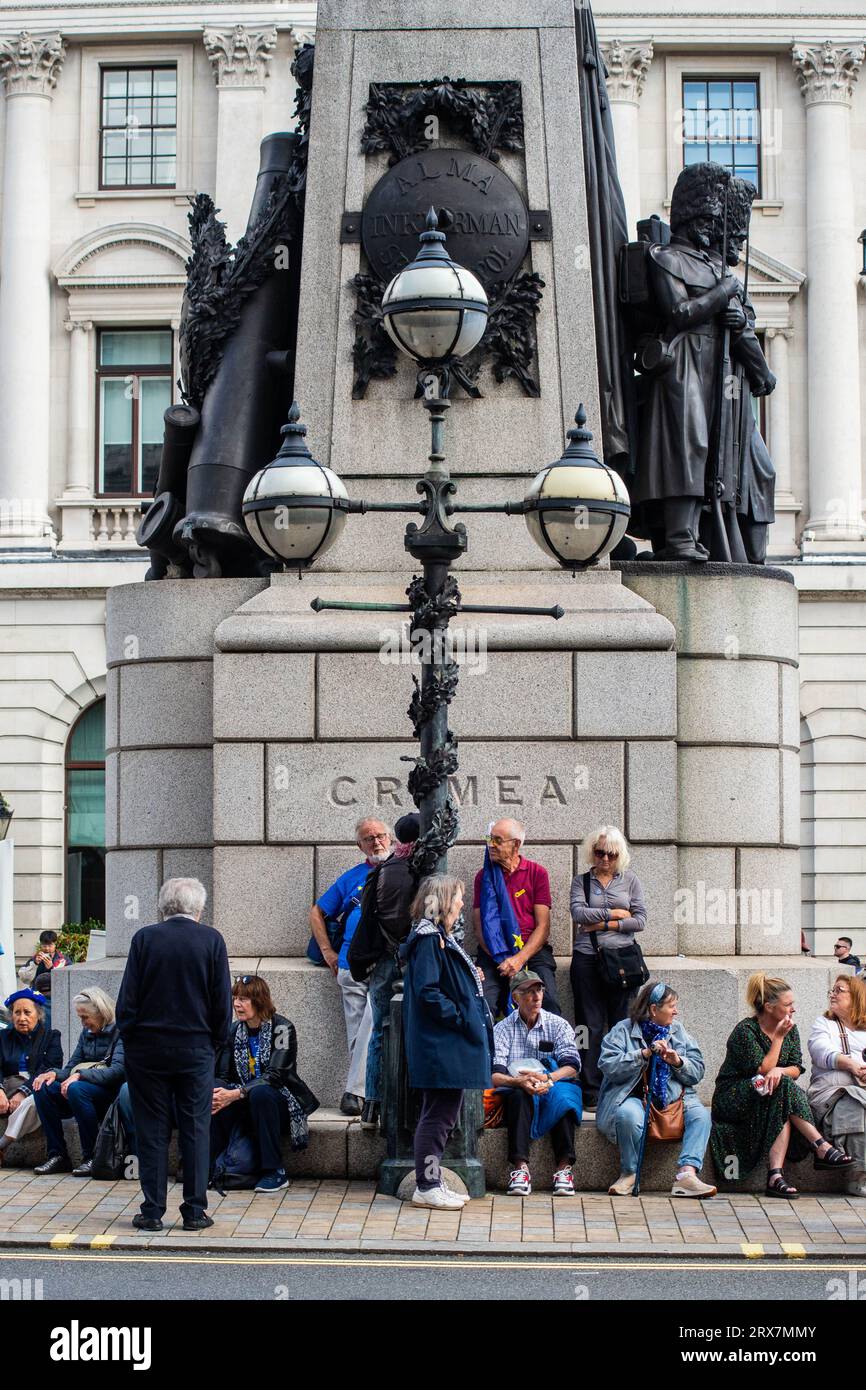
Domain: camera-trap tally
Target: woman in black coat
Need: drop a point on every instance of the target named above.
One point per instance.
(447, 1030)
(258, 1088)
(27, 1049)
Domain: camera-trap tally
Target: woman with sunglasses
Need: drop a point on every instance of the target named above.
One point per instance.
(607, 909)
(837, 1090)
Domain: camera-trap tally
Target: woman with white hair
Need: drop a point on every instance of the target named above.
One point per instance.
(447, 1031)
(84, 1088)
(607, 909)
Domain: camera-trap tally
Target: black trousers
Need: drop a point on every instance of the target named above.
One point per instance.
(597, 1007)
(497, 988)
(518, 1113)
(440, 1110)
(264, 1115)
(158, 1076)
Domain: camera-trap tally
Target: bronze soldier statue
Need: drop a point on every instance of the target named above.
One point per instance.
(679, 358)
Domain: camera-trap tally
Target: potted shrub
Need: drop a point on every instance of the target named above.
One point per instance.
(5, 816)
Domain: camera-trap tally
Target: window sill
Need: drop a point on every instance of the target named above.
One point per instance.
(180, 196)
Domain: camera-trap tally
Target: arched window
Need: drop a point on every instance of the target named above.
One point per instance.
(85, 816)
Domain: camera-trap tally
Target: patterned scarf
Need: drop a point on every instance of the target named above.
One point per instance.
(661, 1075)
(299, 1130)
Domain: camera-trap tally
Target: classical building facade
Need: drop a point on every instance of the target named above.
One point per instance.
(113, 113)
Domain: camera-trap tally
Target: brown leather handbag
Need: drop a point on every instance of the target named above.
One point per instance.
(666, 1123)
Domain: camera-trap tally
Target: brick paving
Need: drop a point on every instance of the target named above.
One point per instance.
(337, 1214)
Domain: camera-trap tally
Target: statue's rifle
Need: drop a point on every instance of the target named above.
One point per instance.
(744, 402)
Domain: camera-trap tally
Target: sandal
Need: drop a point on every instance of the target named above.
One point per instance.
(833, 1158)
(777, 1187)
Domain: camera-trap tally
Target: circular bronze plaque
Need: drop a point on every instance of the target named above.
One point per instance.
(485, 217)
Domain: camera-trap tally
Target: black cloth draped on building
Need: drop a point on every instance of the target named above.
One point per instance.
(608, 231)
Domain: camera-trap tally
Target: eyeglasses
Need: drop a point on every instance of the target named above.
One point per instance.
(501, 840)
(841, 946)
(840, 989)
(245, 979)
(606, 853)
(371, 839)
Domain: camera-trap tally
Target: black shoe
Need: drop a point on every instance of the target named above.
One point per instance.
(198, 1223)
(590, 1100)
(370, 1114)
(146, 1223)
(55, 1163)
(350, 1104)
(84, 1170)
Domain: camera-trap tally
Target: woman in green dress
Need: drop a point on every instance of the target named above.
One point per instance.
(758, 1108)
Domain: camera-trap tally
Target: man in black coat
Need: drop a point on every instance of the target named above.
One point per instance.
(174, 1013)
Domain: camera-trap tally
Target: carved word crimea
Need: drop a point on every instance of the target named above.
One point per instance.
(506, 790)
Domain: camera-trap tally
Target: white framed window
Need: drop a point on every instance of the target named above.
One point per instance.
(110, 164)
(730, 83)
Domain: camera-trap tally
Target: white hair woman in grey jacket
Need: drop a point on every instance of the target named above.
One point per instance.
(607, 909)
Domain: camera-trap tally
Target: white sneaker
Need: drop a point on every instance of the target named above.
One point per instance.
(520, 1183)
(563, 1183)
(856, 1187)
(690, 1185)
(439, 1198)
(461, 1196)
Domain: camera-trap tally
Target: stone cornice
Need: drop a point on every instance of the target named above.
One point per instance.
(240, 57)
(827, 71)
(627, 67)
(30, 64)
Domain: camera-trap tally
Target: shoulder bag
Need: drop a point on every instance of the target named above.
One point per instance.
(625, 968)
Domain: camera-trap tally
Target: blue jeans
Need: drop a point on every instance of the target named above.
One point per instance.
(85, 1102)
(127, 1118)
(629, 1127)
(379, 990)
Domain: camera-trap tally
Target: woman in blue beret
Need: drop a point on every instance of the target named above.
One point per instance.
(27, 1050)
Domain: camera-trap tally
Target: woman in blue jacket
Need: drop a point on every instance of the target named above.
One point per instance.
(446, 1028)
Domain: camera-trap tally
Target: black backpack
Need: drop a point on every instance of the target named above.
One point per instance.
(368, 945)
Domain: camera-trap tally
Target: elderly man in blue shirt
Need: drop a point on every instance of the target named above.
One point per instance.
(343, 900)
(541, 1096)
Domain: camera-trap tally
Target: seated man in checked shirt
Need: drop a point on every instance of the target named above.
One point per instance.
(537, 1101)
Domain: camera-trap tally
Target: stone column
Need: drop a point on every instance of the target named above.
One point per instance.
(29, 67)
(240, 58)
(783, 534)
(827, 74)
(79, 473)
(627, 67)
(76, 502)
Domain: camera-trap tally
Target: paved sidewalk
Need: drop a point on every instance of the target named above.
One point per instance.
(338, 1215)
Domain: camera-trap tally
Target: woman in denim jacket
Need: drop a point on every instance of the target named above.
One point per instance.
(626, 1051)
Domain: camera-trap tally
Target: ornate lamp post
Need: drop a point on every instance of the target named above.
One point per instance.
(862, 240)
(575, 509)
(6, 814)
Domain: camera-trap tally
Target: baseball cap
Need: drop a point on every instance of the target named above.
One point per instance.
(523, 979)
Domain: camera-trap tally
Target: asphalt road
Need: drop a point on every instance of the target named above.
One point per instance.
(146, 1277)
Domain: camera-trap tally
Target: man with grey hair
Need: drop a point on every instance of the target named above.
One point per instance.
(333, 919)
(511, 915)
(174, 1011)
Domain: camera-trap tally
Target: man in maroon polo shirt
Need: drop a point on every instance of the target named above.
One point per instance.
(528, 888)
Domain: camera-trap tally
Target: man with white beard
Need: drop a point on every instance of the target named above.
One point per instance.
(342, 903)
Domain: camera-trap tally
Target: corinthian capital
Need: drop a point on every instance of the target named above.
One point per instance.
(828, 71)
(627, 66)
(30, 63)
(240, 57)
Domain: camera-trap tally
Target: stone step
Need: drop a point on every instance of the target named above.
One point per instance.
(340, 1148)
